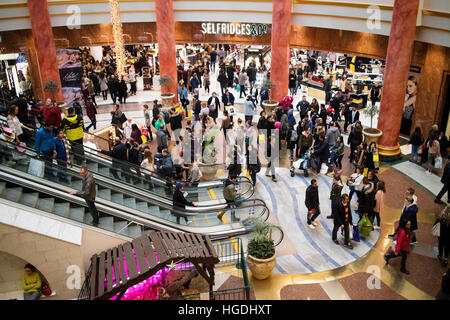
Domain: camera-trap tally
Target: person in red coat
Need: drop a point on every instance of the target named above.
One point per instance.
(402, 246)
(91, 111)
(51, 113)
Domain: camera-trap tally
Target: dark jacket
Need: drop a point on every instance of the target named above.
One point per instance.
(312, 198)
(336, 190)
(228, 99)
(197, 107)
(355, 137)
(88, 188)
(303, 107)
(163, 164)
(340, 212)
(113, 85)
(179, 201)
(214, 114)
(322, 150)
(122, 89)
(119, 152)
(91, 110)
(251, 73)
(222, 79)
(234, 169)
(229, 191)
(410, 214)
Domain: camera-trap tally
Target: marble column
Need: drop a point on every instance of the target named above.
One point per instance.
(281, 34)
(398, 60)
(165, 35)
(45, 45)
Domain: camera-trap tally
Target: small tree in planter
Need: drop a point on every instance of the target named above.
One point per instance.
(167, 98)
(52, 88)
(371, 134)
(269, 105)
(261, 257)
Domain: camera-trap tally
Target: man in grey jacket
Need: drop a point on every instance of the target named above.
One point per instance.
(332, 134)
(88, 192)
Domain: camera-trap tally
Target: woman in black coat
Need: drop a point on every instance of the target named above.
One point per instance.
(122, 91)
(355, 139)
(180, 203)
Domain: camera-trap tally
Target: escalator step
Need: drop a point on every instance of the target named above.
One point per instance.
(107, 223)
(129, 202)
(77, 214)
(2, 187)
(117, 198)
(159, 190)
(142, 206)
(77, 184)
(104, 194)
(122, 227)
(104, 171)
(62, 209)
(30, 199)
(154, 210)
(13, 194)
(134, 231)
(46, 204)
(93, 166)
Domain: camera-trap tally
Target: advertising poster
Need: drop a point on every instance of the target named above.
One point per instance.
(70, 71)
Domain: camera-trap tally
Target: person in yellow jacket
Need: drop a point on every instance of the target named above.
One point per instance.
(31, 283)
(73, 128)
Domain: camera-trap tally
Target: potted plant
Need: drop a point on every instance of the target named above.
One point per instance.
(167, 98)
(371, 134)
(52, 88)
(209, 165)
(261, 256)
(269, 105)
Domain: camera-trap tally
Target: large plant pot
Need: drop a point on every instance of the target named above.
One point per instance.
(371, 135)
(261, 268)
(208, 171)
(269, 105)
(167, 100)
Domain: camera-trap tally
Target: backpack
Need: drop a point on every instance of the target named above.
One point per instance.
(294, 136)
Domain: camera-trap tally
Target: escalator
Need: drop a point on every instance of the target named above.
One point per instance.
(205, 194)
(123, 210)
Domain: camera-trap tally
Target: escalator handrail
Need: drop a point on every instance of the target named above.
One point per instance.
(135, 212)
(33, 153)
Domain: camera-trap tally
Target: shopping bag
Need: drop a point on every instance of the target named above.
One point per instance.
(143, 138)
(238, 88)
(376, 158)
(248, 174)
(365, 172)
(438, 163)
(262, 138)
(436, 230)
(36, 167)
(356, 234)
(365, 226)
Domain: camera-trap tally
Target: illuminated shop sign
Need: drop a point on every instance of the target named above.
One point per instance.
(245, 29)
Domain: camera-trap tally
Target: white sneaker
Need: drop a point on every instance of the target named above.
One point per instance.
(376, 227)
(428, 172)
(311, 226)
(188, 223)
(315, 223)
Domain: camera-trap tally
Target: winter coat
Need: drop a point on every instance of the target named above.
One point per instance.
(355, 137)
(88, 190)
(91, 110)
(322, 150)
(291, 118)
(446, 175)
(305, 142)
(179, 201)
(44, 141)
(336, 189)
(312, 198)
(72, 125)
(410, 214)
(340, 214)
(119, 152)
(163, 164)
(403, 239)
(332, 135)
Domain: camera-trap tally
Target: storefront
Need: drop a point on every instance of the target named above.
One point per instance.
(14, 75)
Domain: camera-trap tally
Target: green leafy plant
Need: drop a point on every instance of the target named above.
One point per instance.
(260, 246)
(371, 111)
(164, 81)
(51, 86)
(267, 84)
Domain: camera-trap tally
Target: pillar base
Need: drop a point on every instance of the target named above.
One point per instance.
(389, 154)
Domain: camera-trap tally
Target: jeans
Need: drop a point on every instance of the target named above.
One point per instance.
(92, 210)
(34, 295)
(431, 158)
(271, 168)
(252, 85)
(61, 169)
(402, 254)
(310, 218)
(242, 91)
(376, 216)
(93, 124)
(113, 96)
(338, 161)
(414, 153)
(105, 94)
(196, 118)
(213, 66)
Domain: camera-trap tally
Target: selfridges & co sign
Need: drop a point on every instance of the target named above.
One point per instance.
(244, 29)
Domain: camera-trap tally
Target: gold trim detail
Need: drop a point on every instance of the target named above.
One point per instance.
(334, 16)
(435, 13)
(342, 4)
(389, 151)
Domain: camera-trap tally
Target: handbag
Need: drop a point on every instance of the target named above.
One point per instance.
(238, 88)
(436, 230)
(45, 290)
(123, 118)
(438, 163)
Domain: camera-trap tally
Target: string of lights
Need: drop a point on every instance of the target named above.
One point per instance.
(118, 39)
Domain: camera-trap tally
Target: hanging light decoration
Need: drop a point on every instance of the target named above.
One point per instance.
(118, 39)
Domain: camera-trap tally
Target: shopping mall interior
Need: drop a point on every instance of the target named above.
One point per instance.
(224, 150)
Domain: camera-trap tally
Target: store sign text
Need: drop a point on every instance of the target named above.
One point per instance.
(245, 29)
